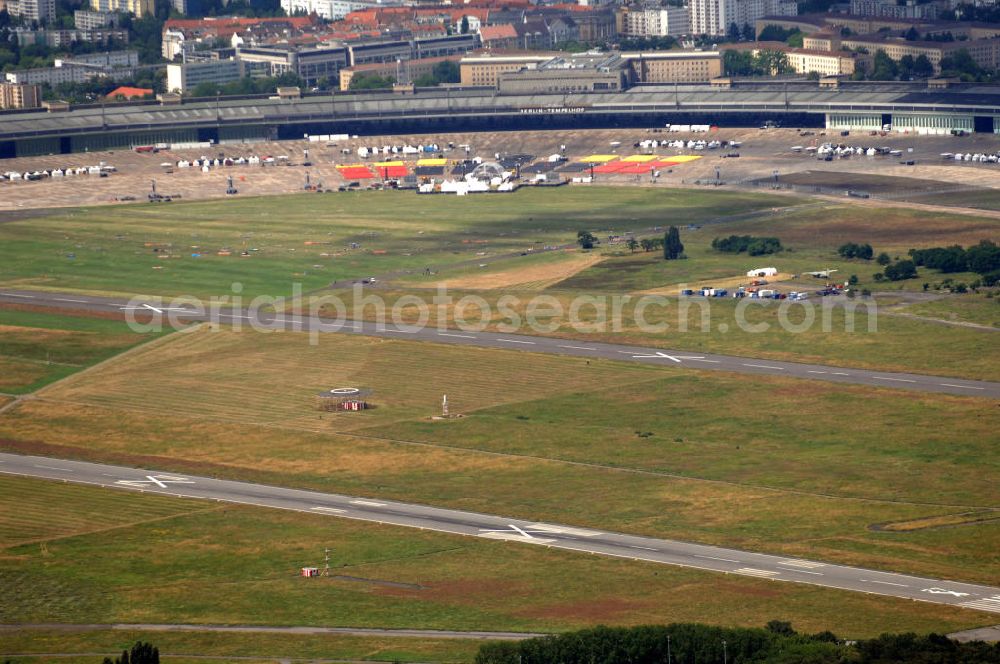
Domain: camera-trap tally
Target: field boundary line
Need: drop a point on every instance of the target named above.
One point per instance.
(528, 457)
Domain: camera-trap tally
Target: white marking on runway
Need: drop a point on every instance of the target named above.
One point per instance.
(803, 571)
(764, 573)
(515, 341)
(460, 336)
(944, 591)
(816, 372)
(898, 380)
(65, 470)
(840, 373)
(673, 358)
(988, 604)
(66, 299)
(884, 583)
(393, 329)
(701, 359)
(644, 548)
(728, 560)
(16, 295)
(579, 347)
(808, 564)
(964, 387)
(563, 530)
(367, 503)
(332, 510)
(763, 366)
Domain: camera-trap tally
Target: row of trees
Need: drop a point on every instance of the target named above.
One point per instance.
(754, 246)
(982, 258)
(778, 643)
(763, 63)
(443, 72)
(247, 86)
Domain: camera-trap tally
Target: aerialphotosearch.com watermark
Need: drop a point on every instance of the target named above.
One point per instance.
(374, 310)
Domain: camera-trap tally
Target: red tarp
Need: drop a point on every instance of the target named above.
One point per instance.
(612, 167)
(355, 172)
(391, 171)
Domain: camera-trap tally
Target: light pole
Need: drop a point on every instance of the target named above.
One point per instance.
(725, 654)
(668, 649)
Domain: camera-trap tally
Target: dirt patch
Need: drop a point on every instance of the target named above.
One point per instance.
(935, 522)
(607, 610)
(537, 277)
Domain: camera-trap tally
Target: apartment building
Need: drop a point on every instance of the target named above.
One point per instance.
(20, 95)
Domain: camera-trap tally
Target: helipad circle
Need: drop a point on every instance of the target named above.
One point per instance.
(345, 391)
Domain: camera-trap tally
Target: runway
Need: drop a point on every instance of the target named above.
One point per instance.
(537, 344)
(508, 530)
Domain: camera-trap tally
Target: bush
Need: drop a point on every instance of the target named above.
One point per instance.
(852, 250)
(900, 271)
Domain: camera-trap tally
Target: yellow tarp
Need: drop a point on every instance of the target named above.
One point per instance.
(385, 164)
(641, 158)
(682, 158)
(432, 162)
(352, 166)
(599, 158)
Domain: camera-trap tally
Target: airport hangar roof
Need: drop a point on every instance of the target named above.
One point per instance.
(774, 97)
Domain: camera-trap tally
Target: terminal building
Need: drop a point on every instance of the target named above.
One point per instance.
(919, 108)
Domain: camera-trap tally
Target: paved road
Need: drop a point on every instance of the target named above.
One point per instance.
(538, 344)
(503, 529)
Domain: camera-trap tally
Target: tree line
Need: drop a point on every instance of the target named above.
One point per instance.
(777, 643)
(754, 246)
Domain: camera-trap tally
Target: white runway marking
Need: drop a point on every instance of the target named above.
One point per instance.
(460, 336)
(988, 604)
(763, 366)
(808, 564)
(66, 299)
(65, 470)
(367, 503)
(701, 359)
(898, 380)
(579, 347)
(749, 571)
(30, 297)
(644, 548)
(816, 372)
(964, 387)
(728, 560)
(840, 373)
(332, 510)
(401, 331)
(515, 341)
(885, 583)
(944, 591)
(563, 530)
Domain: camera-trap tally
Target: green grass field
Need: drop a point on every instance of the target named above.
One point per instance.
(164, 561)
(306, 239)
(38, 348)
(766, 463)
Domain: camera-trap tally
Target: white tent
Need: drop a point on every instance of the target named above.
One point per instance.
(763, 272)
